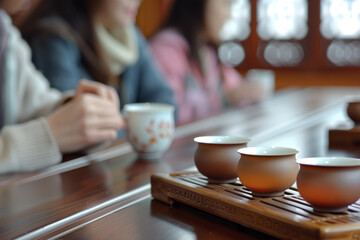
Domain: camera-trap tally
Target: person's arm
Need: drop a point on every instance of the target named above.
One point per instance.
(32, 142)
(25, 144)
(241, 91)
(172, 61)
(91, 117)
(27, 147)
(59, 59)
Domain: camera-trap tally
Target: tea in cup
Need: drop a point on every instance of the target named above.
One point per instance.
(150, 128)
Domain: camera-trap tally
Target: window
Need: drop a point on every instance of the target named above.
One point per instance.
(340, 28)
(236, 28)
(292, 34)
(280, 25)
(282, 19)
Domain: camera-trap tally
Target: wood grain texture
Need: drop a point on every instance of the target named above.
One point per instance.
(286, 217)
(88, 192)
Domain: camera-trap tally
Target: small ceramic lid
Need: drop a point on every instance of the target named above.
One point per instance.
(267, 151)
(330, 161)
(222, 139)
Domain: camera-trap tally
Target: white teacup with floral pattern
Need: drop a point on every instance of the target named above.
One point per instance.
(150, 128)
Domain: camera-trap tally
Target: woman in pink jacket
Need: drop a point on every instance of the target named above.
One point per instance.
(186, 52)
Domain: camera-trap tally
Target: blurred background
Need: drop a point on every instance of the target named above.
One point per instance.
(305, 42)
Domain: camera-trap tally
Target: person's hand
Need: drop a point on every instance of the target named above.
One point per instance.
(91, 117)
(101, 90)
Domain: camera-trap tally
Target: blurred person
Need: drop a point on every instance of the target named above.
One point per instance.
(97, 40)
(38, 123)
(185, 50)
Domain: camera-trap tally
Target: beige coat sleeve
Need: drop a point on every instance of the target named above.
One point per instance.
(26, 143)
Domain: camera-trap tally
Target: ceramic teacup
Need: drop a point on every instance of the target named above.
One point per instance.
(150, 128)
(216, 157)
(329, 184)
(266, 78)
(267, 171)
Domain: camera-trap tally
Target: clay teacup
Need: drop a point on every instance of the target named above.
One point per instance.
(267, 171)
(216, 157)
(329, 184)
(353, 111)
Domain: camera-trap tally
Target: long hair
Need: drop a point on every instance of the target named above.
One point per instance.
(188, 17)
(78, 15)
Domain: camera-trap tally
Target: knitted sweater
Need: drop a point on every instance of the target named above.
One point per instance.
(26, 142)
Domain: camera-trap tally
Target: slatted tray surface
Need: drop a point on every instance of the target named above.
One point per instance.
(285, 217)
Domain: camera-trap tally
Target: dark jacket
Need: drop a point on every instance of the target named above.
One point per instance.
(60, 59)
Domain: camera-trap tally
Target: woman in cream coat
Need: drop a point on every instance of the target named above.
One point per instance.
(38, 124)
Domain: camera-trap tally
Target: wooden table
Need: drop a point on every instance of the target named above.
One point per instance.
(106, 195)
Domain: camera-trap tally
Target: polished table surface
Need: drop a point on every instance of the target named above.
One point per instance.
(106, 194)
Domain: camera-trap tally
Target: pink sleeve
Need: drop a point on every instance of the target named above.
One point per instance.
(172, 61)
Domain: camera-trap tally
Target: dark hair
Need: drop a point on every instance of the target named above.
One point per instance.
(78, 15)
(188, 17)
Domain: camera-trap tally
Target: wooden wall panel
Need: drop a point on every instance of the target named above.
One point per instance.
(152, 14)
(310, 78)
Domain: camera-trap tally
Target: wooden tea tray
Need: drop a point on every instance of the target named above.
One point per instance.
(286, 217)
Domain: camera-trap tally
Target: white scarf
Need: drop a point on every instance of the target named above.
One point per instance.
(119, 45)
